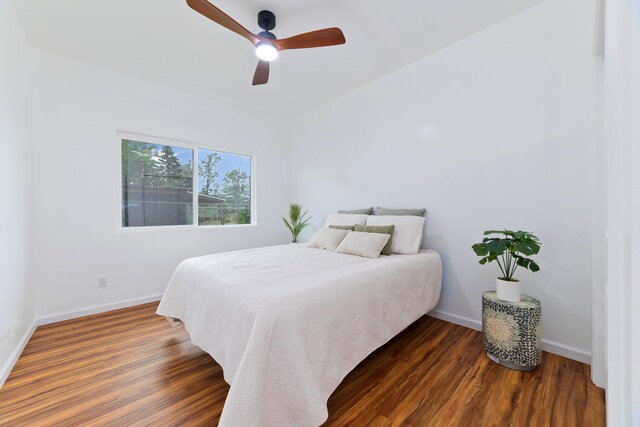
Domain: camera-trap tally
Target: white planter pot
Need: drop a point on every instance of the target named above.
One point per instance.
(508, 291)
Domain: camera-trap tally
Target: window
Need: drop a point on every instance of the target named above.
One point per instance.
(224, 188)
(158, 183)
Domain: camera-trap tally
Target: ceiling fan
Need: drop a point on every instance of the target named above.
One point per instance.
(266, 43)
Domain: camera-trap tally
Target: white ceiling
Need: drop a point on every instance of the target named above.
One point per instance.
(166, 42)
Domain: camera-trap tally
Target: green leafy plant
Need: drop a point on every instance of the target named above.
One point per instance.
(297, 221)
(510, 249)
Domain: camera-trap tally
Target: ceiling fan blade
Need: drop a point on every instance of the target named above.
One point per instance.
(318, 38)
(261, 76)
(216, 15)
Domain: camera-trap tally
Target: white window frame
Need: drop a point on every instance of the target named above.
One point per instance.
(122, 135)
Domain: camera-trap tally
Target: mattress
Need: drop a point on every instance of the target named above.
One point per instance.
(288, 323)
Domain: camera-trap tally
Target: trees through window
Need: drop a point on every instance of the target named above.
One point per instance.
(158, 185)
(224, 188)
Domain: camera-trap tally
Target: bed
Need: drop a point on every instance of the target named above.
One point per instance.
(288, 323)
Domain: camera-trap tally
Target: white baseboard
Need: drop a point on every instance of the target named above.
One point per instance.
(547, 345)
(67, 315)
(458, 320)
(567, 351)
(13, 358)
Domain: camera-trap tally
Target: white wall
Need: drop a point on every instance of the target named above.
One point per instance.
(77, 110)
(495, 131)
(17, 306)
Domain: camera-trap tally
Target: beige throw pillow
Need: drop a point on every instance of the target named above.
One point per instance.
(327, 238)
(383, 229)
(368, 245)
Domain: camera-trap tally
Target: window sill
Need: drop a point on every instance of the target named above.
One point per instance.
(127, 230)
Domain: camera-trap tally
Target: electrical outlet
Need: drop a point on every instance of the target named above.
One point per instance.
(102, 281)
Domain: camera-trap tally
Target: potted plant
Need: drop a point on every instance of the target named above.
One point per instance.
(510, 249)
(297, 221)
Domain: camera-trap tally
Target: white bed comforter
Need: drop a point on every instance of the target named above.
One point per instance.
(288, 323)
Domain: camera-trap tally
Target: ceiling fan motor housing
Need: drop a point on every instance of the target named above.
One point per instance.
(267, 35)
(266, 20)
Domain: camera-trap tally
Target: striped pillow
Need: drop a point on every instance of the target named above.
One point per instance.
(382, 229)
(343, 227)
(409, 212)
(365, 211)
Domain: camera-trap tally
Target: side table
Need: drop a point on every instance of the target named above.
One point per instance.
(511, 331)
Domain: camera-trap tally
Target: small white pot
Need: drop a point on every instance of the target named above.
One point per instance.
(508, 291)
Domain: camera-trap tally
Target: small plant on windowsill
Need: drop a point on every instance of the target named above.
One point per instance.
(297, 221)
(510, 250)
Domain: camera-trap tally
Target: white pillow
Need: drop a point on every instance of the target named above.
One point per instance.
(368, 245)
(327, 238)
(407, 234)
(346, 219)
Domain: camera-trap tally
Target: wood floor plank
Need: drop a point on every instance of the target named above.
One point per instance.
(129, 367)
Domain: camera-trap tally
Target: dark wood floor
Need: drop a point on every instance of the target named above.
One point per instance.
(128, 367)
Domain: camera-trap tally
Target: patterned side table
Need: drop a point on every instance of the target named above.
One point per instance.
(511, 331)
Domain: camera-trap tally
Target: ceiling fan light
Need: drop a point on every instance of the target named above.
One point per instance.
(266, 51)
